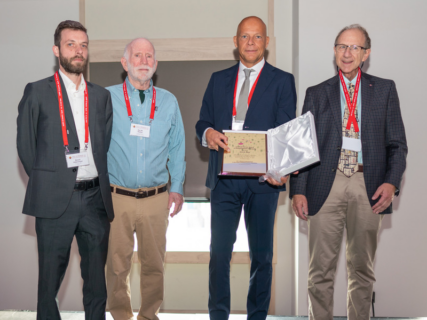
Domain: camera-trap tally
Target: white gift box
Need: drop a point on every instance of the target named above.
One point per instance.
(292, 146)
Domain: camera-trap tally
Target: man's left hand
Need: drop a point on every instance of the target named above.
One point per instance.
(386, 194)
(178, 199)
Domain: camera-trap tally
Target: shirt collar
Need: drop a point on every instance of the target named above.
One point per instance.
(256, 67)
(348, 81)
(69, 84)
(131, 88)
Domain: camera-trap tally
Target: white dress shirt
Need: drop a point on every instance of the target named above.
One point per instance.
(76, 99)
(241, 78)
(252, 77)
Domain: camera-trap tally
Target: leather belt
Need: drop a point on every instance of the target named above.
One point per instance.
(360, 168)
(139, 194)
(86, 184)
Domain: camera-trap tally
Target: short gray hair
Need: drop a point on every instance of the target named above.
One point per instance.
(126, 51)
(358, 27)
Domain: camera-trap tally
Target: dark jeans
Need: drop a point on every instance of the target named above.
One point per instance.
(86, 218)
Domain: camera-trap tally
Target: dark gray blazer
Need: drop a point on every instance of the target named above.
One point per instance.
(41, 148)
(383, 138)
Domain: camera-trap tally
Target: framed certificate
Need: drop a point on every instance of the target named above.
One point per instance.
(248, 154)
(276, 152)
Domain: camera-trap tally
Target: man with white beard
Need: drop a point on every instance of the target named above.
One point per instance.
(147, 141)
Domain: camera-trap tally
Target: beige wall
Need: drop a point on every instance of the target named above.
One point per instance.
(128, 19)
(397, 29)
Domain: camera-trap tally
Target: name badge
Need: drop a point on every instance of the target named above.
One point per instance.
(351, 144)
(237, 125)
(77, 159)
(139, 130)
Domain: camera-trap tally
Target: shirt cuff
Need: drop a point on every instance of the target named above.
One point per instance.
(177, 187)
(204, 142)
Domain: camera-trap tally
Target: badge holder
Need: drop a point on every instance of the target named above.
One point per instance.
(237, 125)
(76, 158)
(139, 130)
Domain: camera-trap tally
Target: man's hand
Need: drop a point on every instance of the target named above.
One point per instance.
(300, 206)
(283, 180)
(215, 139)
(276, 183)
(178, 199)
(386, 194)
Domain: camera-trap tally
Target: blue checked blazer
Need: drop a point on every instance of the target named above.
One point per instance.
(384, 147)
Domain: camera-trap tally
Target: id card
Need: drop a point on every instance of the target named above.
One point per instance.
(139, 130)
(351, 144)
(237, 125)
(77, 159)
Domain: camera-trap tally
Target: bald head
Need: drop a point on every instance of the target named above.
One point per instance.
(251, 40)
(252, 20)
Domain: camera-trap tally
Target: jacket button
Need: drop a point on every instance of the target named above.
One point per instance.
(75, 169)
(338, 148)
(76, 148)
(333, 170)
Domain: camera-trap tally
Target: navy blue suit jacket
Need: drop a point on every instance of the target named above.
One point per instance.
(383, 138)
(273, 103)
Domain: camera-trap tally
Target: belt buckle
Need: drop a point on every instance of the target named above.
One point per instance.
(80, 186)
(141, 194)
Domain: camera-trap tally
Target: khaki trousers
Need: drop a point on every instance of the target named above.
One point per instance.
(148, 218)
(347, 207)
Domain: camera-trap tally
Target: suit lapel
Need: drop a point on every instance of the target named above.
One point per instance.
(92, 113)
(230, 82)
(367, 97)
(266, 76)
(71, 127)
(333, 91)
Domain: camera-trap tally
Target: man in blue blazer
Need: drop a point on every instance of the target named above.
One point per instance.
(264, 97)
(362, 162)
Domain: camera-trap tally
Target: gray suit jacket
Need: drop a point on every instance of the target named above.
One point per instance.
(383, 138)
(41, 148)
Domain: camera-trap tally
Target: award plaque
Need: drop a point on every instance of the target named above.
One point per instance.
(275, 153)
(248, 153)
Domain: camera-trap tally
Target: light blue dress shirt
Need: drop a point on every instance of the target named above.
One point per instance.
(138, 162)
(359, 108)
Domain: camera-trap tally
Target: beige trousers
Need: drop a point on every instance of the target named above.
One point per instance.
(347, 207)
(148, 218)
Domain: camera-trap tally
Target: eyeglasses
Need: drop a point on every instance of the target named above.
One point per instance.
(353, 48)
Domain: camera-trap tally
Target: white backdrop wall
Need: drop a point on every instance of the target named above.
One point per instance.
(26, 32)
(398, 30)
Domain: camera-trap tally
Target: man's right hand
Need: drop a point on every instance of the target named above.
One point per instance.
(215, 139)
(300, 206)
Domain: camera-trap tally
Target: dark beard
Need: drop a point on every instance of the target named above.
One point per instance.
(71, 68)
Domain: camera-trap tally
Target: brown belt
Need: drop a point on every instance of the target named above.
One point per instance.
(139, 194)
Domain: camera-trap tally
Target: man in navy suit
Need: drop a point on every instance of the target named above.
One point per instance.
(363, 150)
(264, 98)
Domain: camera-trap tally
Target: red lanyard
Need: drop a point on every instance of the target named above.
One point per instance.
(62, 114)
(250, 94)
(153, 103)
(351, 104)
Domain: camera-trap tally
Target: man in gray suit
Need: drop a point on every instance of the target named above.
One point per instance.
(64, 131)
(363, 150)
